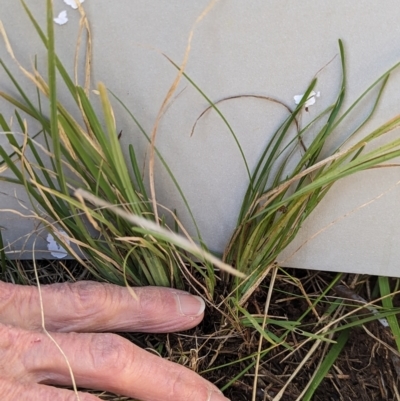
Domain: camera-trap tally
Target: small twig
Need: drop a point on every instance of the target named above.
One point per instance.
(386, 345)
(347, 293)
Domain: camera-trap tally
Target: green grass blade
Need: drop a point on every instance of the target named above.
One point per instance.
(51, 76)
(213, 106)
(65, 76)
(387, 303)
(326, 365)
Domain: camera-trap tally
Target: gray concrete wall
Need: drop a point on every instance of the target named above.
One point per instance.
(255, 47)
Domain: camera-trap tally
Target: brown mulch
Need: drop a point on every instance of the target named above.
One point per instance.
(365, 370)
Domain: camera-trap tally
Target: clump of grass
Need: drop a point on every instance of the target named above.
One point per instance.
(85, 186)
(278, 198)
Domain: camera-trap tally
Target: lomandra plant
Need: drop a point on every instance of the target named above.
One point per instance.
(80, 181)
(278, 198)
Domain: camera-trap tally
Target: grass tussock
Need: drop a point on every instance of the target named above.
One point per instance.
(270, 333)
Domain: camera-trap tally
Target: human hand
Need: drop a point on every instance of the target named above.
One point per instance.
(30, 361)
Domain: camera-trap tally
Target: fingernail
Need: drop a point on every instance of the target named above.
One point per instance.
(214, 396)
(190, 305)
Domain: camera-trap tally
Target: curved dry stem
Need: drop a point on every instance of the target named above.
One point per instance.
(74, 386)
(165, 103)
(268, 98)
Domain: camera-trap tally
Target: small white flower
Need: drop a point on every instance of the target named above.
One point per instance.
(310, 100)
(54, 247)
(73, 3)
(62, 18)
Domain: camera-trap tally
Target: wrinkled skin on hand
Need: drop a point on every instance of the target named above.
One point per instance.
(75, 314)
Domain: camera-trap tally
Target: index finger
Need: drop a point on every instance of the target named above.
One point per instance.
(88, 306)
